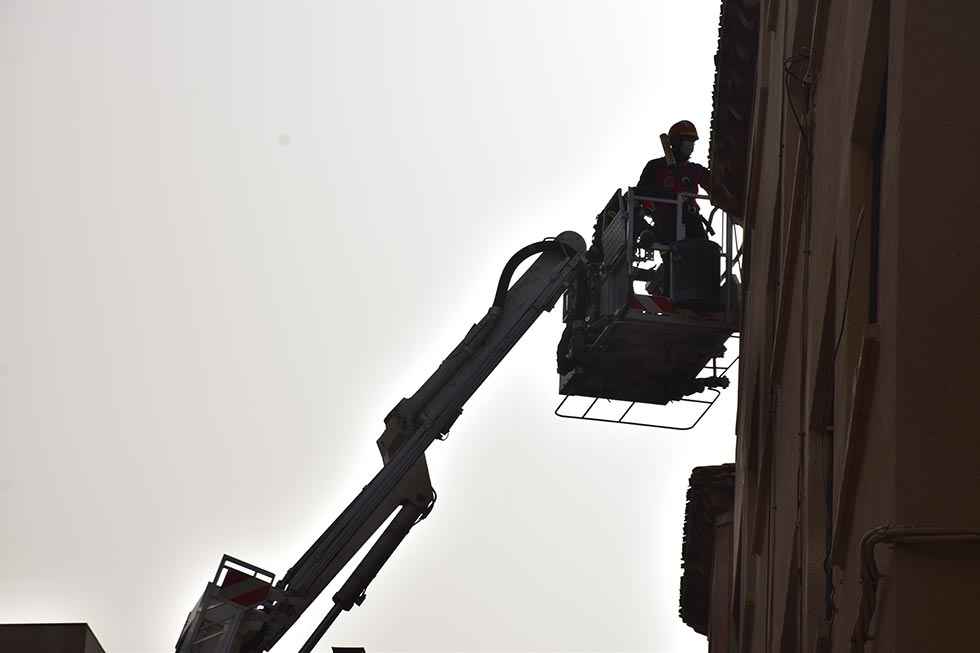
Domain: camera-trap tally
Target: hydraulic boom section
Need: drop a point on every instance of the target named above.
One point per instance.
(242, 611)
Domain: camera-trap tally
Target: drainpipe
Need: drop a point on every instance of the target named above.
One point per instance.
(870, 573)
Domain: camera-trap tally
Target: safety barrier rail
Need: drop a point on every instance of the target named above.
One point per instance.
(728, 239)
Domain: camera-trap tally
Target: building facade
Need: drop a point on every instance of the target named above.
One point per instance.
(48, 638)
(848, 130)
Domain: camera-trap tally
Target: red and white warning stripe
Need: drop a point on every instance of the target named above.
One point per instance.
(651, 304)
(243, 589)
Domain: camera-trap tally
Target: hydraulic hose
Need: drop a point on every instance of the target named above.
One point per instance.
(523, 253)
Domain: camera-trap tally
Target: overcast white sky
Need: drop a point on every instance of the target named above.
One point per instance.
(234, 234)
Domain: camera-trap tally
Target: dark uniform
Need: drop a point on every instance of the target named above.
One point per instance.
(664, 181)
(659, 179)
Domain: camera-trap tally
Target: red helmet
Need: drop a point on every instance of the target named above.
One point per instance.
(682, 129)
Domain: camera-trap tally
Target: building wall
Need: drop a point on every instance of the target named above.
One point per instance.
(719, 620)
(48, 638)
(858, 412)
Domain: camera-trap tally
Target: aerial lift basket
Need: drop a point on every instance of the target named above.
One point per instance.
(657, 343)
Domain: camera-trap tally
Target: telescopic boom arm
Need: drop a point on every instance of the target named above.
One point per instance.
(241, 611)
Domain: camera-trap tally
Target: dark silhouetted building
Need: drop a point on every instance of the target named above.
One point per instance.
(48, 638)
(849, 132)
